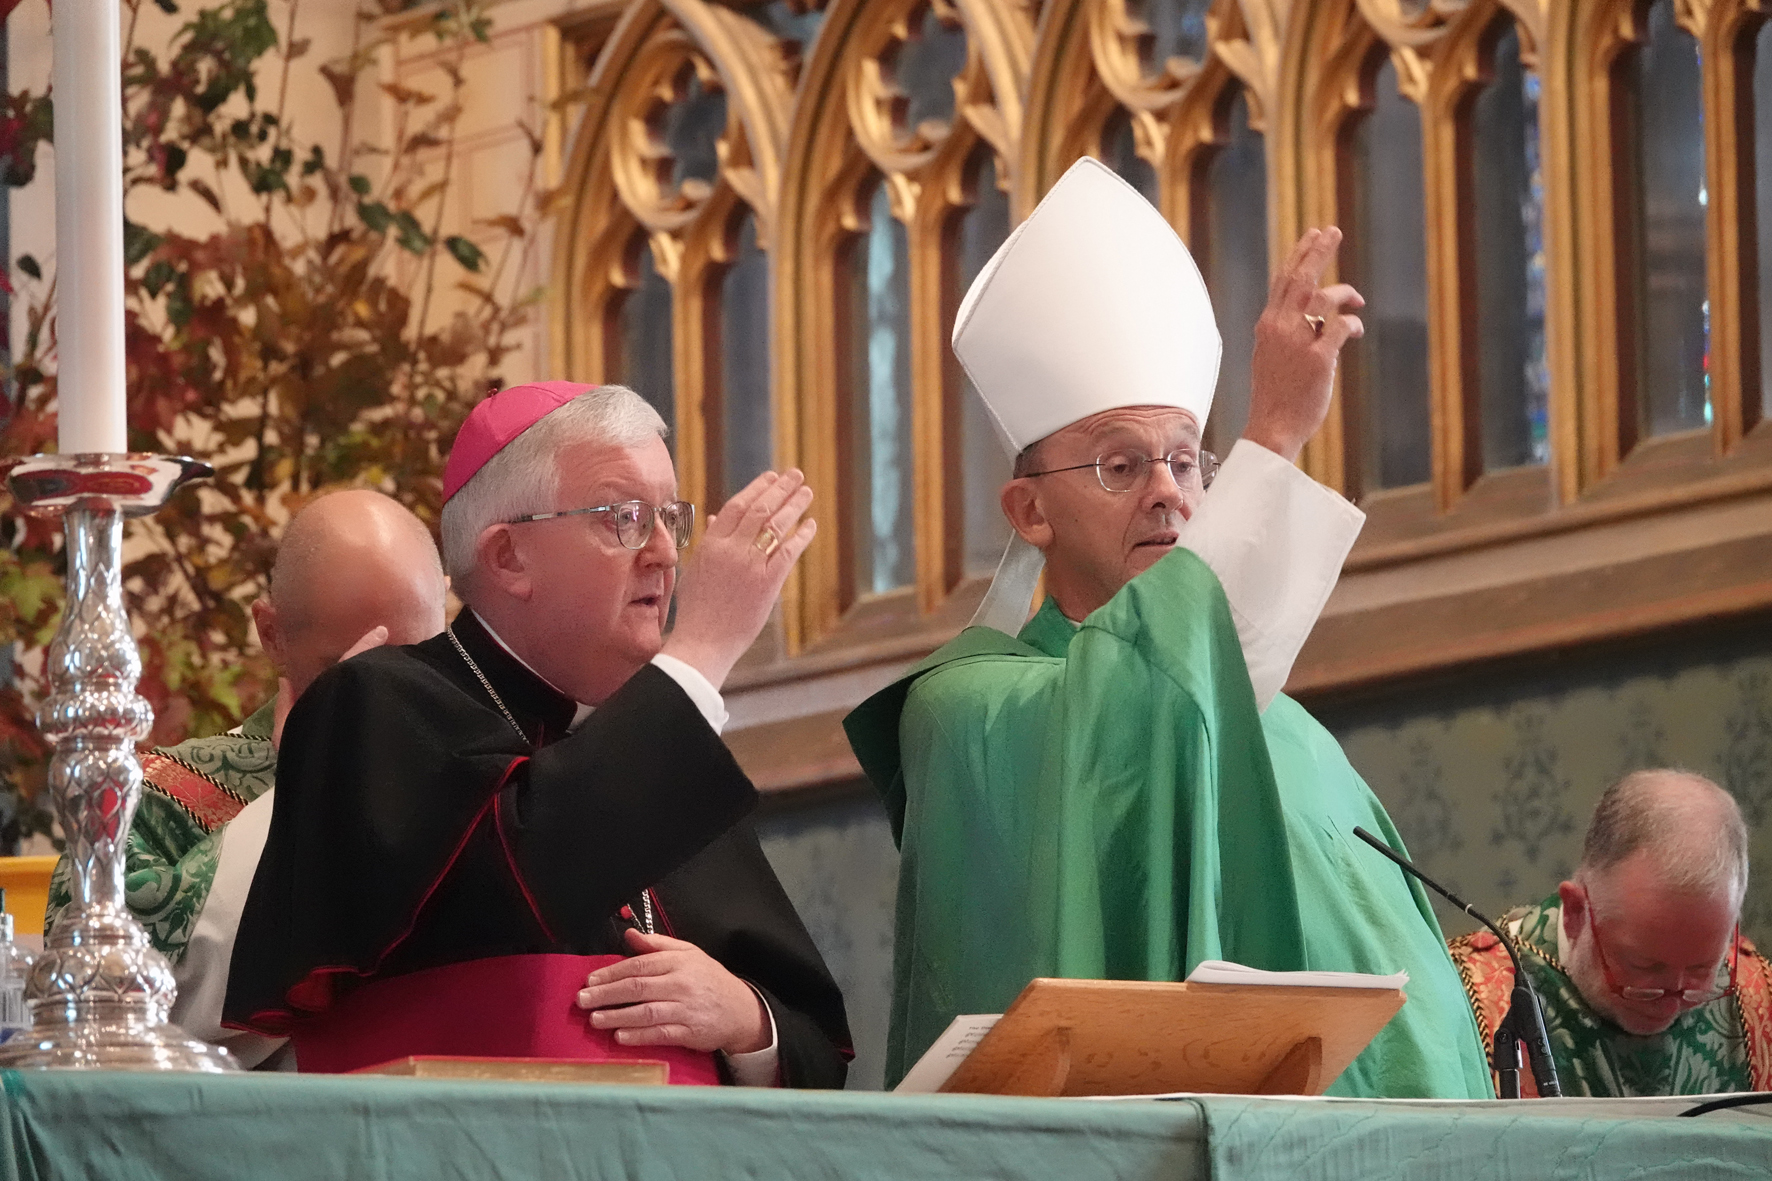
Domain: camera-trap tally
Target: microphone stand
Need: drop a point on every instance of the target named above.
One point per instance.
(1523, 1027)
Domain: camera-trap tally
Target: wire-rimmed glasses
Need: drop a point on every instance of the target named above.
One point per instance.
(1122, 471)
(634, 520)
(1686, 996)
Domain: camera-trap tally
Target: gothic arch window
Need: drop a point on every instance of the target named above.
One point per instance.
(1663, 223)
(1758, 179)
(1735, 51)
(1571, 287)
(642, 357)
(878, 493)
(1506, 195)
(740, 291)
(1425, 147)
(1381, 204)
(1660, 134)
(1170, 94)
(1228, 232)
(661, 263)
(885, 217)
(980, 226)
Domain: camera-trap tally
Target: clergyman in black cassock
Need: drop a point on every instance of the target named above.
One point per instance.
(416, 829)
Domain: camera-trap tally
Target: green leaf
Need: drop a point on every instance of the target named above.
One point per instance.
(464, 252)
(179, 308)
(359, 184)
(28, 264)
(412, 235)
(375, 215)
(138, 242)
(315, 162)
(166, 6)
(158, 276)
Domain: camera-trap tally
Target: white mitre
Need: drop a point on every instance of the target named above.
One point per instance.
(1092, 304)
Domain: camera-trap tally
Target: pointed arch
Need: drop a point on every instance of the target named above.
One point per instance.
(847, 128)
(619, 175)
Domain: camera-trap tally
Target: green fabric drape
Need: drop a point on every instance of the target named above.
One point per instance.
(1106, 801)
(101, 1126)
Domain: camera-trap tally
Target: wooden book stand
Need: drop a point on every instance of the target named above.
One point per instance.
(1127, 1037)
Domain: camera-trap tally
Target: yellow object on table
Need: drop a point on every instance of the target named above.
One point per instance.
(26, 882)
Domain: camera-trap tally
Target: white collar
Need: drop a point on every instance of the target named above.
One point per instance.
(579, 715)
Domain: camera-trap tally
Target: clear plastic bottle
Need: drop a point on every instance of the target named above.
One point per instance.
(15, 965)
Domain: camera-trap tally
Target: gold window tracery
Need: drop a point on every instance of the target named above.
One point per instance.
(1537, 499)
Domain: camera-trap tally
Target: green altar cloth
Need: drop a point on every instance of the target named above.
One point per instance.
(102, 1126)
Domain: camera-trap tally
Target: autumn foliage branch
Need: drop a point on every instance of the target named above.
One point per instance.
(297, 347)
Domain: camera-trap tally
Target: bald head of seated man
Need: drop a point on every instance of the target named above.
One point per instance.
(355, 570)
(1647, 984)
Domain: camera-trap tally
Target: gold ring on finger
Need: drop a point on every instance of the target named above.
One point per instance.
(1316, 323)
(766, 541)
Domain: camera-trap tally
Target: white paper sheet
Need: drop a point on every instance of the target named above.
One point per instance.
(940, 1060)
(1224, 972)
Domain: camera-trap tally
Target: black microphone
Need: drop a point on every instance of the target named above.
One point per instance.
(1524, 1022)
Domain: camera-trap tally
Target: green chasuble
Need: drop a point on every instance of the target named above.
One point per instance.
(175, 838)
(1106, 801)
(1703, 1052)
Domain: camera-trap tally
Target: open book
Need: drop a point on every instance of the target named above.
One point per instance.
(965, 1033)
(1225, 972)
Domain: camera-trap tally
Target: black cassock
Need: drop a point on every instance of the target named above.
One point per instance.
(414, 829)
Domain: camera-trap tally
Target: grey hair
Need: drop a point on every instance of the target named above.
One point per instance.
(1691, 828)
(524, 476)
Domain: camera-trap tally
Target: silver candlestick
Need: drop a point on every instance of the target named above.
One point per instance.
(99, 994)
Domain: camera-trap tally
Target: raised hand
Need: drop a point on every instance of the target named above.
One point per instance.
(731, 580)
(1297, 342)
(672, 993)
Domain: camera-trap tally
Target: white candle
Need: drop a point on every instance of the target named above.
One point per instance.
(89, 226)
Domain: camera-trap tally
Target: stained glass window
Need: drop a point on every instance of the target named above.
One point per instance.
(747, 446)
(645, 326)
(1236, 259)
(691, 132)
(925, 67)
(878, 403)
(1177, 29)
(1674, 312)
(985, 465)
(1388, 257)
(1119, 147)
(1508, 184)
(798, 29)
(1763, 202)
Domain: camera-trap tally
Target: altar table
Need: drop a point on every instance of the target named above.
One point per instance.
(286, 1127)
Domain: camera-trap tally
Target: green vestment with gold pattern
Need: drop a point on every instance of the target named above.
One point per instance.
(1708, 1049)
(188, 792)
(1106, 801)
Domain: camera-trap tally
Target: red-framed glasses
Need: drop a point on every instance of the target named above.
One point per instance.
(1687, 996)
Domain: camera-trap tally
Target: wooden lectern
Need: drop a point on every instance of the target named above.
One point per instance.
(1126, 1037)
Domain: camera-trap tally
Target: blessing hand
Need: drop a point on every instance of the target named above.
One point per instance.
(731, 580)
(1297, 342)
(675, 994)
